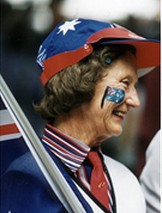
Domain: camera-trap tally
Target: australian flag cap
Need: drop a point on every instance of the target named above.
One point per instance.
(73, 40)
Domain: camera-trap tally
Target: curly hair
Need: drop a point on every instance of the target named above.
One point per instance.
(75, 85)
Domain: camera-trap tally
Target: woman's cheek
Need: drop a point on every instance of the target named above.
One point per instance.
(113, 94)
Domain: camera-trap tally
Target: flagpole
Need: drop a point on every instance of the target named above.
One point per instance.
(52, 174)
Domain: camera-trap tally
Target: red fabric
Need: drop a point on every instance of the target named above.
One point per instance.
(8, 129)
(99, 186)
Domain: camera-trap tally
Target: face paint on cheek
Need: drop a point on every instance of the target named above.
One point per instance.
(115, 95)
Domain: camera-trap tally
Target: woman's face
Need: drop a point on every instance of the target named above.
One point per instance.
(108, 120)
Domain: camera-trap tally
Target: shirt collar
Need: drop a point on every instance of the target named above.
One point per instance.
(71, 151)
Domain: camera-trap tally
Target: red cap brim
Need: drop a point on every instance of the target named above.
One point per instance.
(147, 50)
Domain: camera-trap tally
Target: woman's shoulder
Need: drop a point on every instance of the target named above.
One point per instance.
(25, 189)
(25, 165)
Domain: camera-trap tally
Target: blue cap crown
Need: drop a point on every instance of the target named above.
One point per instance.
(68, 36)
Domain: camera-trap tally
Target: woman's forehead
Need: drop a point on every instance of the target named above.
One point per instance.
(124, 66)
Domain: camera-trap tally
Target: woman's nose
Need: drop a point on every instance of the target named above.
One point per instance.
(132, 98)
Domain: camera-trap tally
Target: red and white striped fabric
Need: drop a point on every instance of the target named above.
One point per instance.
(8, 128)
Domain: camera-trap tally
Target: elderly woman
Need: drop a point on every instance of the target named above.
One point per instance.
(90, 72)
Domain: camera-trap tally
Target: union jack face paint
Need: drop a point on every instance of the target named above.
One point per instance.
(115, 95)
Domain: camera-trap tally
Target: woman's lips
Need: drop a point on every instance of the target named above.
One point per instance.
(119, 113)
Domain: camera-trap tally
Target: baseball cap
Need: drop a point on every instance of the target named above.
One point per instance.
(73, 40)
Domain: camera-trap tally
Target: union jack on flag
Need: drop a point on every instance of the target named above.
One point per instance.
(111, 91)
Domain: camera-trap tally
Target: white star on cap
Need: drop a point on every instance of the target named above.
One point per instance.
(68, 25)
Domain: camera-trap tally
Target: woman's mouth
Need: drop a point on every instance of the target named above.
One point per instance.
(119, 114)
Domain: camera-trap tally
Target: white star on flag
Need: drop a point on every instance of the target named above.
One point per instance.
(68, 25)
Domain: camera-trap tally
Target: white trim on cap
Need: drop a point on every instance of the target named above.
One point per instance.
(143, 71)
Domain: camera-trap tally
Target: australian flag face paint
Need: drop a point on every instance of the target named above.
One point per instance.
(115, 95)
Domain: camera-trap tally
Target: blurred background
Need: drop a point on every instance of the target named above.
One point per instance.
(25, 24)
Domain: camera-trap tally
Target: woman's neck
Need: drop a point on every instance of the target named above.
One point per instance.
(77, 125)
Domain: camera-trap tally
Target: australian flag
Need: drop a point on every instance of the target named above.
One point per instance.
(114, 94)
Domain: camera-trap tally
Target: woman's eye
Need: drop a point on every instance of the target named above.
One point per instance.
(126, 83)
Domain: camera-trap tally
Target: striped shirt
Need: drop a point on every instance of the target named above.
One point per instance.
(73, 154)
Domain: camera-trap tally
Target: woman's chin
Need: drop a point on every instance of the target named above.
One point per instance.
(117, 131)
